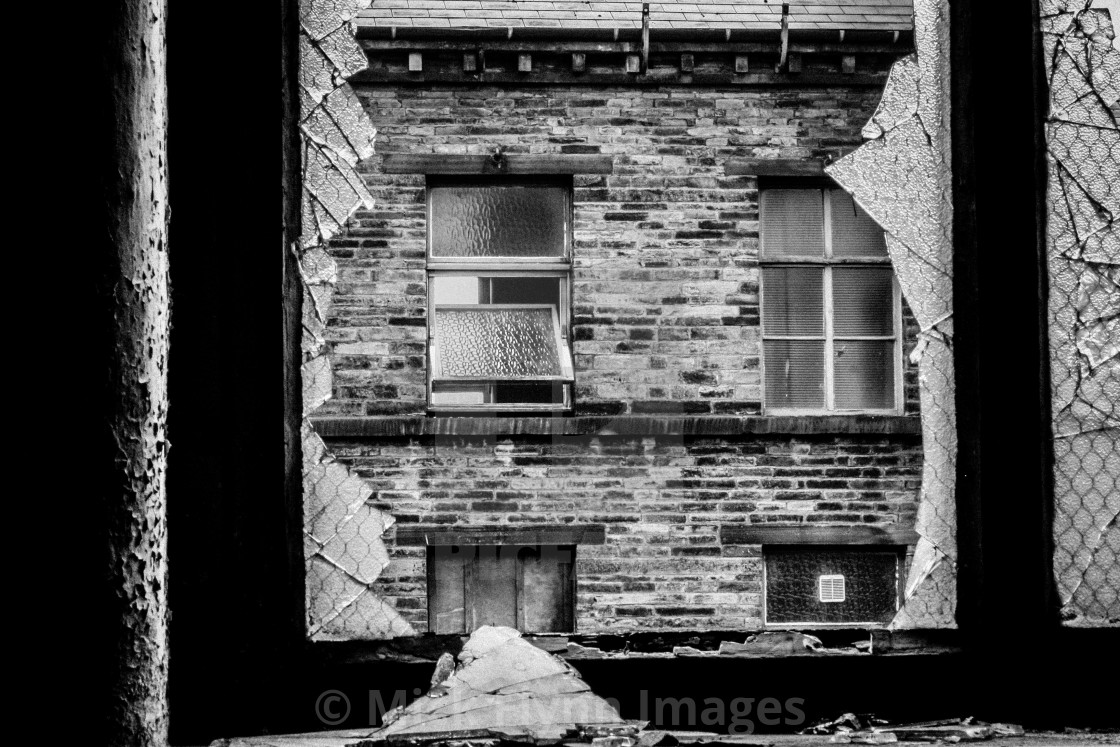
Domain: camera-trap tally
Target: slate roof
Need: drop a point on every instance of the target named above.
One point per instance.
(848, 15)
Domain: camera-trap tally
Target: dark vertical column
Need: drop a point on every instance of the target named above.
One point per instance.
(292, 333)
(235, 626)
(1004, 497)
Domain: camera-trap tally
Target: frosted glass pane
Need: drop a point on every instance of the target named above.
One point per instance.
(498, 221)
(794, 373)
(496, 343)
(854, 233)
(863, 301)
(864, 374)
(793, 300)
(792, 223)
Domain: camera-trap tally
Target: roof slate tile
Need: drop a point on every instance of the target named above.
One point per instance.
(888, 15)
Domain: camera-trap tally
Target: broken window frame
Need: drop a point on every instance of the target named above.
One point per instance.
(559, 267)
(828, 336)
(566, 584)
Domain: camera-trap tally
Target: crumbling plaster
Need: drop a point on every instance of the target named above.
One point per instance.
(343, 548)
(901, 177)
(1083, 258)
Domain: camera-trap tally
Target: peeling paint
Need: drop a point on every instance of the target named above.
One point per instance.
(901, 176)
(1083, 258)
(342, 535)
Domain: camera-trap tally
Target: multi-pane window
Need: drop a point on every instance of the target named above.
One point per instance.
(527, 587)
(499, 271)
(830, 305)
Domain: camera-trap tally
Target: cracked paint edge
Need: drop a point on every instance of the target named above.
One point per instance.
(901, 176)
(335, 135)
(1083, 267)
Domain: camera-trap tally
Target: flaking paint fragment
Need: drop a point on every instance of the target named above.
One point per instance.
(1097, 301)
(321, 227)
(368, 616)
(316, 383)
(320, 18)
(1054, 7)
(343, 546)
(316, 74)
(901, 177)
(1083, 263)
(357, 546)
(326, 181)
(342, 53)
(329, 590)
(314, 328)
(350, 118)
(900, 98)
(313, 448)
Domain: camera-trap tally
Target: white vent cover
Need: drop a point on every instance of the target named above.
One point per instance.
(831, 588)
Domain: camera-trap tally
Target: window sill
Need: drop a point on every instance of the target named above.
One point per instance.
(414, 535)
(856, 535)
(662, 644)
(622, 425)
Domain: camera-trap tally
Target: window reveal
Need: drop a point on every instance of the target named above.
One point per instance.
(830, 306)
(498, 286)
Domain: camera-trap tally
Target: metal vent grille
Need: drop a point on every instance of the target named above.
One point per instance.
(831, 588)
(837, 585)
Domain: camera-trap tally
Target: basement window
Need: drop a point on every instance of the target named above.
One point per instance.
(499, 278)
(831, 308)
(832, 585)
(527, 587)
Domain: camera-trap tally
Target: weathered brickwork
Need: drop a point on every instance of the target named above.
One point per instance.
(663, 501)
(665, 321)
(665, 279)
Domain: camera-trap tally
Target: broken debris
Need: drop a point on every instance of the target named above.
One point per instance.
(506, 688)
(776, 643)
(864, 737)
(852, 729)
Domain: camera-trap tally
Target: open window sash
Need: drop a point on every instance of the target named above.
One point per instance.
(474, 348)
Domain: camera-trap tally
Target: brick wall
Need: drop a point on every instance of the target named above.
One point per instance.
(662, 500)
(666, 320)
(665, 279)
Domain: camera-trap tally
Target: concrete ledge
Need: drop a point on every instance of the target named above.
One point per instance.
(664, 645)
(461, 534)
(774, 167)
(624, 425)
(514, 163)
(854, 534)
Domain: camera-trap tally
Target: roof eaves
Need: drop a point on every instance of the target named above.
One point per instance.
(542, 29)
